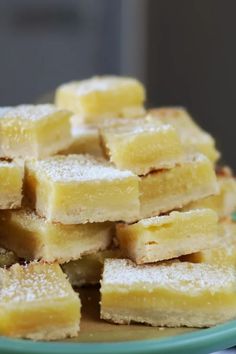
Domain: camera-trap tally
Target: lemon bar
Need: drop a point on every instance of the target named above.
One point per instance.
(101, 97)
(77, 189)
(173, 295)
(37, 302)
(11, 182)
(192, 136)
(142, 146)
(223, 254)
(85, 140)
(88, 269)
(224, 203)
(168, 236)
(32, 237)
(7, 258)
(33, 131)
(165, 190)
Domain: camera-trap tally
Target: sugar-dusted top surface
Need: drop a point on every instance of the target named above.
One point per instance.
(34, 282)
(77, 168)
(182, 277)
(30, 112)
(176, 216)
(133, 126)
(100, 84)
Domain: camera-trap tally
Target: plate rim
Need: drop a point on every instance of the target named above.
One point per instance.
(221, 337)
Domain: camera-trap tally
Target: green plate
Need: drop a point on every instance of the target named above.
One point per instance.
(99, 337)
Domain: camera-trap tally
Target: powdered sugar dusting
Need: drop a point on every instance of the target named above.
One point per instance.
(131, 126)
(29, 112)
(177, 276)
(34, 282)
(98, 83)
(77, 168)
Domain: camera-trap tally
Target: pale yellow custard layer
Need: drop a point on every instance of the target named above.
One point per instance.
(33, 237)
(173, 294)
(169, 236)
(101, 97)
(224, 203)
(11, 183)
(141, 146)
(28, 131)
(165, 190)
(77, 189)
(37, 302)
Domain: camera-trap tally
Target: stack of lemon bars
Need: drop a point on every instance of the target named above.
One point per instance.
(98, 189)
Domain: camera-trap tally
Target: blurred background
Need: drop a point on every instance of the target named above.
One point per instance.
(183, 51)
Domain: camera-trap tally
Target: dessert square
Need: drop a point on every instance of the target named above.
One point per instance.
(141, 146)
(88, 269)
(85, 140)
(32, 237)
(172, 295)
(194, 138)
(77, 189)
(162, 191)
(224, 203)
(168, 236)
(11, 183)
(100, 97)
(38, 302)
(33, 131)
(225, 252)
